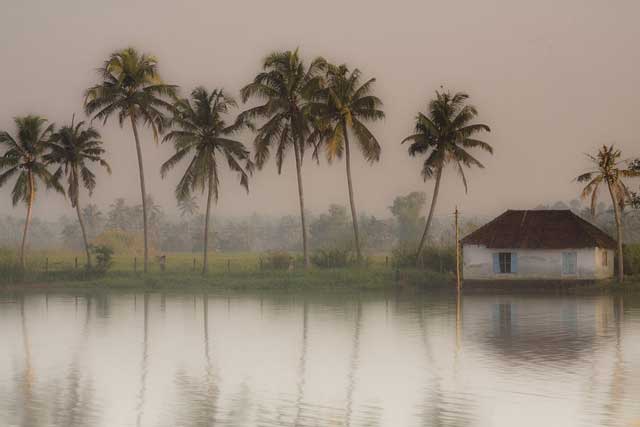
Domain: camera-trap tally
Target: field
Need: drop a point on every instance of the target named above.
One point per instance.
(226, 270)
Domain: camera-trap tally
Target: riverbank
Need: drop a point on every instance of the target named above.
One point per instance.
(344, 278)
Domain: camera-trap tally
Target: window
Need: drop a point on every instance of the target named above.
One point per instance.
(569, 262)
(605, 258)
(505, 262)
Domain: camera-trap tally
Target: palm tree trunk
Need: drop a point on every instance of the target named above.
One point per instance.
(206, 225)
(84, 233)
(354, 215)
(616, 211)
(434, 199)
(27, 220)
(142, 190)
(296, 149)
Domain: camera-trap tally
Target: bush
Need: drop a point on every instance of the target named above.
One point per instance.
(631, 259)
(278, 260)
(122, 242)
(103, 257)
(332, 258)
(442, 259)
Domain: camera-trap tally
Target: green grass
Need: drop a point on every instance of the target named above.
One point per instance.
(226, 270)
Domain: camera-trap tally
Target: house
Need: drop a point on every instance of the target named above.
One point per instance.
(538, 245)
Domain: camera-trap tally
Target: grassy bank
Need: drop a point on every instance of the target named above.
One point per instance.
(228, 270)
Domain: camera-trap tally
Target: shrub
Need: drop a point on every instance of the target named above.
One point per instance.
(122, 242)
(434, 258)
(631, 259)
(332, 258)
(278, 260)
(103, 257)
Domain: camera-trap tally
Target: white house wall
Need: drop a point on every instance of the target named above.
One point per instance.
(535, 264)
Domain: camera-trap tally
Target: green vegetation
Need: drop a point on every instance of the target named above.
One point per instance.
(295, 106)
(71, 148)
(238, 270)
(609, 171)
(200, 131)
(132, 89)
(287, 86)
(342, 107)
(24, 156)
(444, 135)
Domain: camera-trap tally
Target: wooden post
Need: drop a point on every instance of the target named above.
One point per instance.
(260, 263)
(228, 266)
(194, 264)
(386, 261)
(458, 282)
(76, 263)
(46, 264)
(135, 264)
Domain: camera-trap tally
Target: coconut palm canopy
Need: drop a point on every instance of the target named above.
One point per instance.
(286, 86)
(73, 148)
(200, 130)
(24, 158)
(130, 88)
(346, 103)
(608, 171)
(446, 134)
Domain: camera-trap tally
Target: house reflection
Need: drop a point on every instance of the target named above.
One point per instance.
(539, 328)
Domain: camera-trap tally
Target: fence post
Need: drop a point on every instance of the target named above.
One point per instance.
(46, 265)
(228, 266)
(386, 261)
(135, 264)
(260, 263)
(76, 263)
(194, 264)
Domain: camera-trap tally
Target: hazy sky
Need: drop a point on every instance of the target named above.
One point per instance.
(553, 79)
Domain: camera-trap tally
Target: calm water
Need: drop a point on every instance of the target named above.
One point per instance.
(117, 359)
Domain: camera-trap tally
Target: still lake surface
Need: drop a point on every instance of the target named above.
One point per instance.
(318, 359)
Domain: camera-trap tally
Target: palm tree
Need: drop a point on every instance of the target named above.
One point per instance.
(24, 157)
(188, 207)
(443, 135)
(608, 170)
(201, 132)
(286, 86)
(132, 89)
(72, 148)
(343, 106)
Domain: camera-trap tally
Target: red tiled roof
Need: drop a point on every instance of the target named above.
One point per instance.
(540, 229)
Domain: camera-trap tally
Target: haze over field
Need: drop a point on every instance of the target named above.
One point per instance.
(552, 79)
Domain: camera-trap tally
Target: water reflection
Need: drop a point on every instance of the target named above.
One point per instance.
(318, 359)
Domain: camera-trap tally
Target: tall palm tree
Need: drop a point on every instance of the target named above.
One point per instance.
(286, 86)
(444, 134)
(344, 105)
(608, 170)
(201, 132)
(24, 157)
(72, 148)
(132, 89)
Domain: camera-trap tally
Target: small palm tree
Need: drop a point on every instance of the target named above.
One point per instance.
(201, 133)
(609, 171)
(72, 148)
(24, 157)
(132, 89)
(188, 207)
(443, 135)
(286, 85)
(342, 108)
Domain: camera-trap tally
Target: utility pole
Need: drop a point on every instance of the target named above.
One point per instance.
(456, 214)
